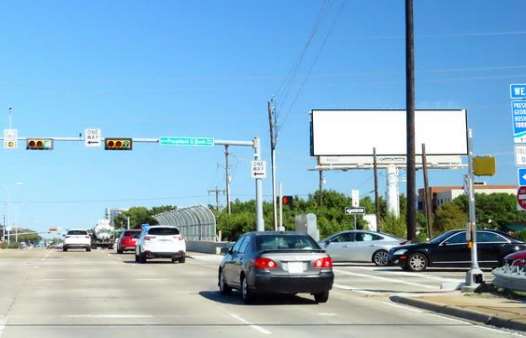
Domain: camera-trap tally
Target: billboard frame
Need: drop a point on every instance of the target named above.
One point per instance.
(386, 110)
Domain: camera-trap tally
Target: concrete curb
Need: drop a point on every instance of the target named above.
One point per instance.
(461, 313)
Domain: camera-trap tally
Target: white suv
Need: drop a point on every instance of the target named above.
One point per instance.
(77, 239)
(160, 241)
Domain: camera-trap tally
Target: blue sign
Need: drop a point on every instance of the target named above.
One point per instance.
(518, 109)
(521, 173)
(518, 91)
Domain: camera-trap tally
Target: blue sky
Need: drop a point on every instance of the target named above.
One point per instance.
(207, 68)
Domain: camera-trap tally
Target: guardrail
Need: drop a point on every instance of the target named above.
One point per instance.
(511, 276)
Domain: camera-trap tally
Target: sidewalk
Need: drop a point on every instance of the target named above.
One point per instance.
(484, 308)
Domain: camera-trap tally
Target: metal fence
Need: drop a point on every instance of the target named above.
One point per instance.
(196, 223)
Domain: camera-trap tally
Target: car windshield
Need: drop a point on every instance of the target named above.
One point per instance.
(285, 242)
(77, 233)
(134, 234)
(167, 231)
(441, 237)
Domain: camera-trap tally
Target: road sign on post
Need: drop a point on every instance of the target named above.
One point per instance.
(186, 141)
(518, 109)
(518, 91)
(521, 198)
(10, 138)
(92, 137)
(259, 169)
(520, 154)
(355, 211)
(521, 176)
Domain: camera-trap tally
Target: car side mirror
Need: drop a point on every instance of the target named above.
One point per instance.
(444, 244)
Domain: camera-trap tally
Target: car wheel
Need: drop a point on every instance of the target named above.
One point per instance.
(64, 249)
(136, 258)
(223, 286)
(246, 294)
(182, 259)
(321, 297)
(119, 251)
(417, 262)
(88, 249)
(381, 258)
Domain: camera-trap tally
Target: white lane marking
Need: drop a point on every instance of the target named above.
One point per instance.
(3, 320)
(112, 316)
(51, 279)
(346, 287)
(255, 327)
(327, 314)
(404, 307)
(390, 280)
(151, 279)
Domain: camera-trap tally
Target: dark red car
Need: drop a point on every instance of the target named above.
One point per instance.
(516, 259)
(128, 240)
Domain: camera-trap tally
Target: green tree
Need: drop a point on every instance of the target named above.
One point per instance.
(137, 215)
(449, 216)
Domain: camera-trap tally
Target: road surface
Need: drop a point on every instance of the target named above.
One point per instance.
(46, 293)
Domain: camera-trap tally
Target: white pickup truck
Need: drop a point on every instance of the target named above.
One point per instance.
(77, 239)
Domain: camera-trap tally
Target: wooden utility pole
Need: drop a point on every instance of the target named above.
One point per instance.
(216, 191)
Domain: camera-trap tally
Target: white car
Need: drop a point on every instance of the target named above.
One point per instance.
(160, 241)
(360, 246)
(77, 239)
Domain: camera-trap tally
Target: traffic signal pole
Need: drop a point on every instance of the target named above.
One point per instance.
(255, 144)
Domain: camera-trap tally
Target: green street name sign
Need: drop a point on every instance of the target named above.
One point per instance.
(186, 141)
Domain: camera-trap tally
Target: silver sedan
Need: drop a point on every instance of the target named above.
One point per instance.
(360, 246)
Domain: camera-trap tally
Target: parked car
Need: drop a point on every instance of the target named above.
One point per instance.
(360, 246)
(77, 239)
(128, 240)
(516, 259)
(160, 241)
(450, 249)
(276, 262)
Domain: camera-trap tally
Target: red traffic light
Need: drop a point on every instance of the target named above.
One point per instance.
(39, 144)
(287, 200)
(118, 143)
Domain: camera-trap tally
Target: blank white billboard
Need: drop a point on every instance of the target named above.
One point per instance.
(357, 132)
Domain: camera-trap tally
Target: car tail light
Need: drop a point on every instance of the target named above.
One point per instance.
(147, 238)
(87, 237)
(263, 263)
(178, 237)
(322, 263)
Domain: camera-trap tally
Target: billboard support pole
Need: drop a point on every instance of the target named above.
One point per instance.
(410, 120)
(427, 198)
(376, 197)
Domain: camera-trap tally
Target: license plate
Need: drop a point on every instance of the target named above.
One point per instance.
(295, 267)
(165, 240)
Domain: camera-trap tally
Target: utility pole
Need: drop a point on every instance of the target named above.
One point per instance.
(320, 188)
(376, 197)
(427, 197)
(216, 191)
(410, 120)
(272, 120)
(280, 227)
(227, 181)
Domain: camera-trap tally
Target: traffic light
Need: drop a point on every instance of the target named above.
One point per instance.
(118, 143)
(39, 144)
(287, 200)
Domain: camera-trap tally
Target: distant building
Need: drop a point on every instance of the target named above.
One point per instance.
(112, 213)
(444, 194)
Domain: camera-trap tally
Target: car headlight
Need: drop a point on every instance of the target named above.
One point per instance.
(400, 252)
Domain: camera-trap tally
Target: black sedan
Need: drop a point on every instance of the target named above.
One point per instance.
(276, 262)
(450, 249)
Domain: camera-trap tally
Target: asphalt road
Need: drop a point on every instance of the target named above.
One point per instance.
(45, 293)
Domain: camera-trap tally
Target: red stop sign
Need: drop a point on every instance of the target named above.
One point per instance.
(521, 197)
